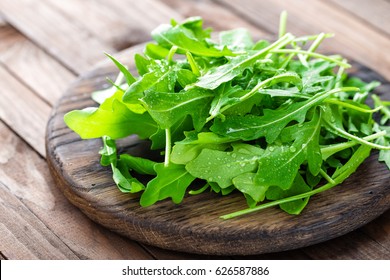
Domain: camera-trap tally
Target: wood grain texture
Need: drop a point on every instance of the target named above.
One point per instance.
(27, 180)
(374, 13)
(30, 115)
(119, 23)
(74, 46)
(216, 16)
(23, 236)
(49, 78)
(194, 226)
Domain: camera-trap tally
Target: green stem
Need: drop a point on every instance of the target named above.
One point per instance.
(312, 37)
(316, 42)
(339, 76)
(327, 177)
(349, 136)
(199, 191)
(282, 23)
(313, 54)
(384, 110)
(168, 146)
(332, 149)
(171, 53)
(194, 67)
(356, 108)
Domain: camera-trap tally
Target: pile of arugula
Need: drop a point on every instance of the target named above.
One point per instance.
(276, 121)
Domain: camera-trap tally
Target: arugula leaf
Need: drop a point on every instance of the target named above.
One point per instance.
(128, 76)
(171, 181)
(270, 120)
(221, 74)
(246, 184)
(167, 108)
(269, 125)
(298, 186)
(236, 39)
(280, 163)
(221, 167)
(183, 38)
(121, 175)
(118, 122)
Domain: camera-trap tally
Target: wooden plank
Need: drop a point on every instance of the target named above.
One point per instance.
(26, 175)
(33, 66)
(215, 16)
(366, 46)
(2, 21)
(379, 230)
(23, 110)
(71, 44)
(374, 12)
(119, 24)
(23, 236)
(355, 246)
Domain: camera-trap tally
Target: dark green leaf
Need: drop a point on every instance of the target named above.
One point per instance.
(167, 108)
(171, 182)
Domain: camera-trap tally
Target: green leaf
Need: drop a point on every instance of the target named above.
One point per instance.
(138, 164)
(128, 76)
(280, 163)
(161, 77)
(221, 74)
(120, 170)
(117, 123)
(189, 148)
(224, 95)
(236, 39)
(171, 182)
(185, 39)
(124, 181)
(167, 108)
(142, 64)
(295, 207)
(269, 125)
(221, 167)
(246, 184)
(156, 51)
(108, 152)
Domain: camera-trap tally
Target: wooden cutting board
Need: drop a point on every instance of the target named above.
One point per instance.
(194, 226)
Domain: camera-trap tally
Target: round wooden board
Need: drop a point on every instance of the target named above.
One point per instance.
(194, 226)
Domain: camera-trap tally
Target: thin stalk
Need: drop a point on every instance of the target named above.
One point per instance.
(168, 146)
(327, 177)
(199, 191)
(194, 67)
(171, 53)
(339, 75)
(356, 108)
(384, 110)
(316, 42)
(282, 23)
(349, 136)
(312, 37)
(313, 54)
(332, 149)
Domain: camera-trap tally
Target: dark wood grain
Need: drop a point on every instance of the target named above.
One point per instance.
(194, 226)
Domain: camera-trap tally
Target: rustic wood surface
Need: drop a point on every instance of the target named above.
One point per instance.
(45, 46)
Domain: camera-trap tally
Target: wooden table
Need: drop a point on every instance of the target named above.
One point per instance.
(46, 44)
